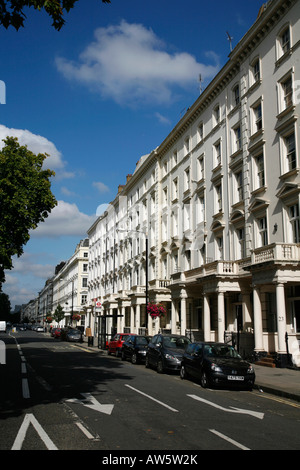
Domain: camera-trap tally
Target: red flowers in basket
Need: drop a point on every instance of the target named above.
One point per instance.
(76, 317)
(156, 310)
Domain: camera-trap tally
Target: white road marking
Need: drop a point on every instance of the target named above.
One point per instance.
(84, 430)
(228, 439)
(30, 419)
(233, 410)
(153, 399)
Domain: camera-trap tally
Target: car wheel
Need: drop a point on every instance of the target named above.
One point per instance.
(160, 366)
(133, 358)
(183, 374)
(204, 380)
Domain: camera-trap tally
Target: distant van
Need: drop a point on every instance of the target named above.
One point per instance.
(3, 326)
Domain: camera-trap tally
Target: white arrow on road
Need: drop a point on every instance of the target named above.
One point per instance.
(90, 402)
(30, 419)
(233, 410)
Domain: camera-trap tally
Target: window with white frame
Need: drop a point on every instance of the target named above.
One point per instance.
(218, 197)
(152, 203)
(217, 153)
(165, 196)
(164, 230)
(257, 123)
(186, 179)
(259, 171)
(200, 167)
(187, 215)
(236, 139)
(284, 41)
(240, 232)
(238, 190)
(262, 231)
(294, 219)
(175, 158)
(175, 189)
(255, 71)
(186, 145)
(200, 132)
(236, 95)
(286, 93)
(290, 152)
(219, 247)
(216, 115)
(174, 223)
(200, 212)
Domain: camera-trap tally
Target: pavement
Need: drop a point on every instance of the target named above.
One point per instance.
(283, 382)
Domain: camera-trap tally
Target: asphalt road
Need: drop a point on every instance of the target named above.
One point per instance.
(61, 396)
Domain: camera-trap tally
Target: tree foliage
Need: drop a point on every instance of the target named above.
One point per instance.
(12, 11)
(59, 313)
(25, 198)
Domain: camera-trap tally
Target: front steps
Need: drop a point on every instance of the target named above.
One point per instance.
(267, 361)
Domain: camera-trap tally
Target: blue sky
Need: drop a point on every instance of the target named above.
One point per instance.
(99, 94)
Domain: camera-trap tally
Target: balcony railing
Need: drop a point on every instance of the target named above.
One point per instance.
(277, 252)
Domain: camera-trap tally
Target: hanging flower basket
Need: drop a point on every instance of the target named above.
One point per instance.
(76, 317)
(156, 310)
(49, 319)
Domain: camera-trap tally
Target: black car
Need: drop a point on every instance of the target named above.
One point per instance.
(134, 348)
(165, 352)
(216, 364)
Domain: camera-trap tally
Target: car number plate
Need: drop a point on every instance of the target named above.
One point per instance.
(235, 377)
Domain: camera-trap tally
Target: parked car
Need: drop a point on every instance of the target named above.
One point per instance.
(135, 348)
(57, 333)
(115, 345)
(73, 335)
(165, 352)
(216, 364)
(52, 331)
(39, 328)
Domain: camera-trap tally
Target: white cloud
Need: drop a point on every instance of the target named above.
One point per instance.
(102, 188)
(38, 144)
(64, 220)
(129, 63)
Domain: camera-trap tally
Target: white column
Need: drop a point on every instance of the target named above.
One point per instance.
(173, 317)
(258, 329)
(131, 319)
(206, 318)
(137, 318)
(183, 312)
(281, 318)
(221, 317)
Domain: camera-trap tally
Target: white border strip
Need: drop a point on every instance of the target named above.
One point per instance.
(151, 398)
(228, 439)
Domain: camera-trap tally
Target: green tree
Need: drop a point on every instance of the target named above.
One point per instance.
(25, 199)
(12, 11)
(59, 313)
(4, 307)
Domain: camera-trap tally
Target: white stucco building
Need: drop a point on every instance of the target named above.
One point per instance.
(210, 218)
(70, 285)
